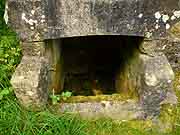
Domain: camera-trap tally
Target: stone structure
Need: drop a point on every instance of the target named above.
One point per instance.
(39, 23)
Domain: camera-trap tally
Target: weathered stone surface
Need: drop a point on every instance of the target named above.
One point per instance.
(36, 20)
(177, 84)
(119, 110)
(174, 31)
(54, 56)
(33, 49)
(28, 18)
(30, 81)
(170, 48)
(149, 74)
(128, 75)
(172, 51)
(156, 83)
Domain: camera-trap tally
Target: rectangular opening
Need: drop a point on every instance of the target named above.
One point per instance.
(94, 65)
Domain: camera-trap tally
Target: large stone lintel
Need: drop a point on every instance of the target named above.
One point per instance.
(36, 20)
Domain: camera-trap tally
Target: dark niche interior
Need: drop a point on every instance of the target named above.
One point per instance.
(90, 63)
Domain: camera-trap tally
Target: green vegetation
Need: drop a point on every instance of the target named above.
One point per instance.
(62, 97)
(15, 120)
(9, 54)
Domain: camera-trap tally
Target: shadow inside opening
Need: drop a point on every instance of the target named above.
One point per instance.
(91, 63)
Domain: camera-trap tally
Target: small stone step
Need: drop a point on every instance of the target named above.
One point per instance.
(118, 110)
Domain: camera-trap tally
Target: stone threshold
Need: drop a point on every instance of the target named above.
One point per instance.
(99, 98)
(103, 106)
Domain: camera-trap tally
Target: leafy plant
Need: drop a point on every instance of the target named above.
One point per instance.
(55, 99)
(10, 54)
(64, 96)
(5, 92)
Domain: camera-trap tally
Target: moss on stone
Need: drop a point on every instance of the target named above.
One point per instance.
(166, 122)
(142, 125)
(170, 113)
(98, 98)
(174, 31)
(167, 117)
(177, 85)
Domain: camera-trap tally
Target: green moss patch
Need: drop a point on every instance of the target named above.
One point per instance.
(98, 98)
